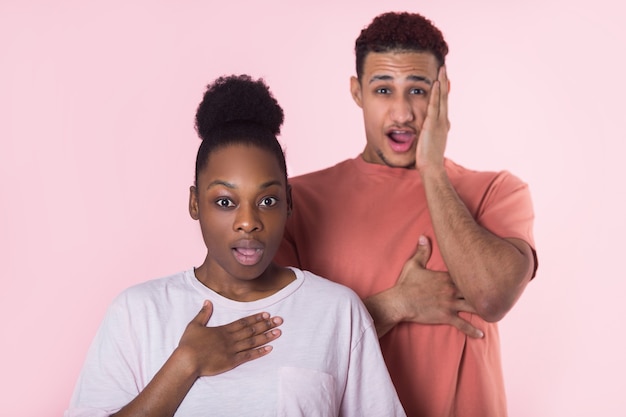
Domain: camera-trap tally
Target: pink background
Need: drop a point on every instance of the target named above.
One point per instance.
(97, 147)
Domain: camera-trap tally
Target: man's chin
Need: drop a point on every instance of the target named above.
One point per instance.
(397, 161)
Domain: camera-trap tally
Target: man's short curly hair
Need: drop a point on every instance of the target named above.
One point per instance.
(407, 32)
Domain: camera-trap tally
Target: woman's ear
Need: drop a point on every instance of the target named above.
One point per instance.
(193, 203)
(289, 201)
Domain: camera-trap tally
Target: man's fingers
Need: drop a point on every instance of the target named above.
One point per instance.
(442, 77)
(438, 102)
(467, 328)
(423, 251)
(444, 87)
(433, 104)
(462, 305)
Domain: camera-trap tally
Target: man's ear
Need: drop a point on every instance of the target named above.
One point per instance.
(289, 201)
(355, 90)
(193, 202)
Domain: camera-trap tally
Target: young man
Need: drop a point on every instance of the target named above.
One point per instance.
(360, 221)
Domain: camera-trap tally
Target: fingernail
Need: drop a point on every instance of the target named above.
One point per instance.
(422, 240)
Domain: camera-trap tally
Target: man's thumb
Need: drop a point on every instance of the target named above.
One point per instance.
(422, 253)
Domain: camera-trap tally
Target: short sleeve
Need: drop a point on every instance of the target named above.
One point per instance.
(108, 379)
(369, 389)
(506, 210)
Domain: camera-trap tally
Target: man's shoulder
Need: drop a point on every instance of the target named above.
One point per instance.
(323, 175)
(460, 173)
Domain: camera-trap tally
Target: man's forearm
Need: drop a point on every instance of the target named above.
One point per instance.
(491, 272)
(381, 308)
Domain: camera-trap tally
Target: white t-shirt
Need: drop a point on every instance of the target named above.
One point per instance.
(327, 361)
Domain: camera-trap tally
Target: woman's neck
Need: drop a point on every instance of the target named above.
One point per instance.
(272, 280)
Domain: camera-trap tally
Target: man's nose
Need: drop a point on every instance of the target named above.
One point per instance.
(401, 110)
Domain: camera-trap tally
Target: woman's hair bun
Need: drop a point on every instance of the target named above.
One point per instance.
(238, 98)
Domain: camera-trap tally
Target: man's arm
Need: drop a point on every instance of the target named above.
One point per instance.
(490, 272)
(421, 296)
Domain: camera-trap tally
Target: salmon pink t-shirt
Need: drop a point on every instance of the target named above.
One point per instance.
(357, 223)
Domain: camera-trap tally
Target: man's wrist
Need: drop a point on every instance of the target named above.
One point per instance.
(383, 311)
(432, 170)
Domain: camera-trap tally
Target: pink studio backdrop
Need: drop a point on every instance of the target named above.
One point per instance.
(97, 147)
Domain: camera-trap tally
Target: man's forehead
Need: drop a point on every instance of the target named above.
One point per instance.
(408, 66)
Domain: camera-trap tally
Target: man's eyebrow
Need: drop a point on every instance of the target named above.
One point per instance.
(380, 78)
(419, 78)
(414, 78)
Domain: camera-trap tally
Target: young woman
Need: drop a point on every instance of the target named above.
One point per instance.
(149, 359)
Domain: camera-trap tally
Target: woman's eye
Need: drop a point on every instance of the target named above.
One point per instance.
(224, 203)
(269, 201)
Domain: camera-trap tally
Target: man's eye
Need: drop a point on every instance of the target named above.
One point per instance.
(269, 202)
(418, 91)
(224, 203)
(383, 90)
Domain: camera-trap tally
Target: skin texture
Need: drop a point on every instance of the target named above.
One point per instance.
(241, 201)
(393, 94)
(404, 98)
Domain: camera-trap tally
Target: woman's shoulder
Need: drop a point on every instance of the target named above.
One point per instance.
(154, 288)
(326, 287)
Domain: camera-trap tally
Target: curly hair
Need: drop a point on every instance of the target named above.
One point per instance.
(407, 32)
(236, 109)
